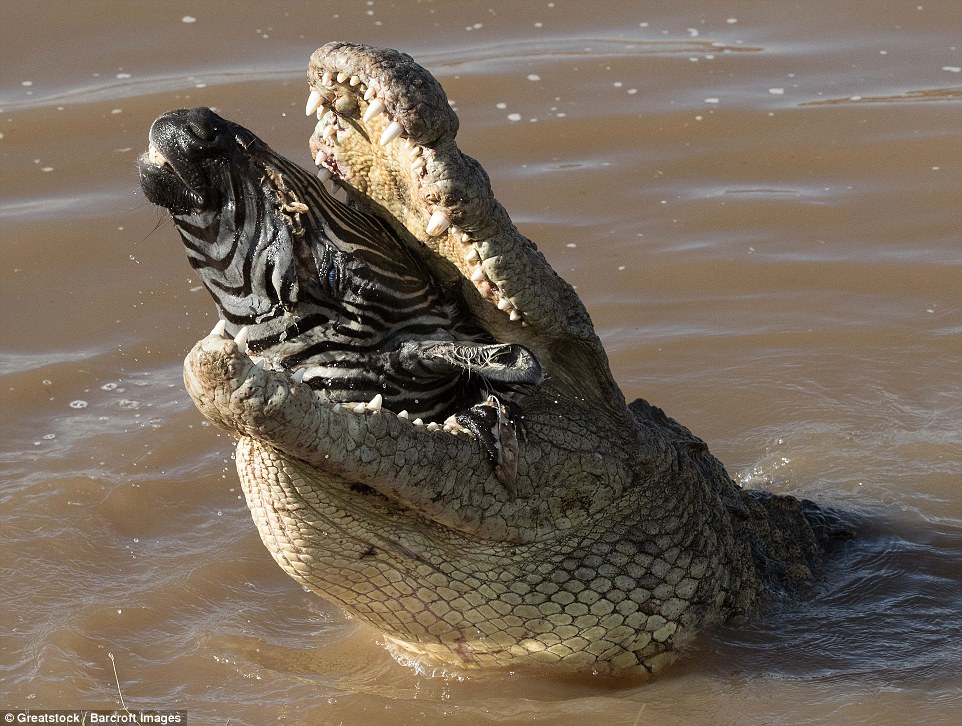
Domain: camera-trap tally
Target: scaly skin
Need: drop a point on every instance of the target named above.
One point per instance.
(620, 535)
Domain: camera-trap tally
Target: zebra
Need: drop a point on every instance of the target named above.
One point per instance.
(322, 289)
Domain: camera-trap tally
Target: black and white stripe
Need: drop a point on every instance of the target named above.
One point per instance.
(324, 287)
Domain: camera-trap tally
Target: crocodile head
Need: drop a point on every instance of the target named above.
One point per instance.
(428, 431)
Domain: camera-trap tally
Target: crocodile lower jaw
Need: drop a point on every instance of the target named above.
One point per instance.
(240, 374)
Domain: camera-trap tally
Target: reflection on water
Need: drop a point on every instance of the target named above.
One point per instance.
(758, 202)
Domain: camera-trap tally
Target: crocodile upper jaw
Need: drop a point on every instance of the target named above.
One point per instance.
(385, 131)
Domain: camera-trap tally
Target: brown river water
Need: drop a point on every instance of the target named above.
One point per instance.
(759, 202)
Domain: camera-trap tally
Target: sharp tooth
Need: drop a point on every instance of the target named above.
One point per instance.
(404, 414)
(259, 362)
(418, 422)
(415, 152)
(369, 94)
(341, 77)
(450, 421)
(448, 427)
(219, 328)
(433, 426)
(354, 80)
(515, 315)
(299, 375)
(375, 404)
(324, 174)
(313, 102)
(360, 408)
(438, 223)
(329, 131)
(376, 107)
(241, 338)
(319, 159)
(337, 408)
(477, 275)
(392, 131)
(503, 303)
(419, 163)
(472, 255)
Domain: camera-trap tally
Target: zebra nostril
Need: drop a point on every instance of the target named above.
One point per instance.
(202, 124)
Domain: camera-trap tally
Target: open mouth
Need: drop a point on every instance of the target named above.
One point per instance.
(358, 303)
(386, 133)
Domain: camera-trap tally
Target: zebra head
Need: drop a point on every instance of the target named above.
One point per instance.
(319, 289)
(213, 177)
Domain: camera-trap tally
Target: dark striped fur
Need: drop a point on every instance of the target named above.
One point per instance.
(320, 285)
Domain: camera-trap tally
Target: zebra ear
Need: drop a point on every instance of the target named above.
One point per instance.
(507, 367)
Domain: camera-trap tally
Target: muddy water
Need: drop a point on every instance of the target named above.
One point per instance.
(759, 203)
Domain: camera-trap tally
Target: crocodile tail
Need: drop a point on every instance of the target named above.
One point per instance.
(790, 539)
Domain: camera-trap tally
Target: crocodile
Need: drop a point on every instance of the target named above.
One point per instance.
(464, 475)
